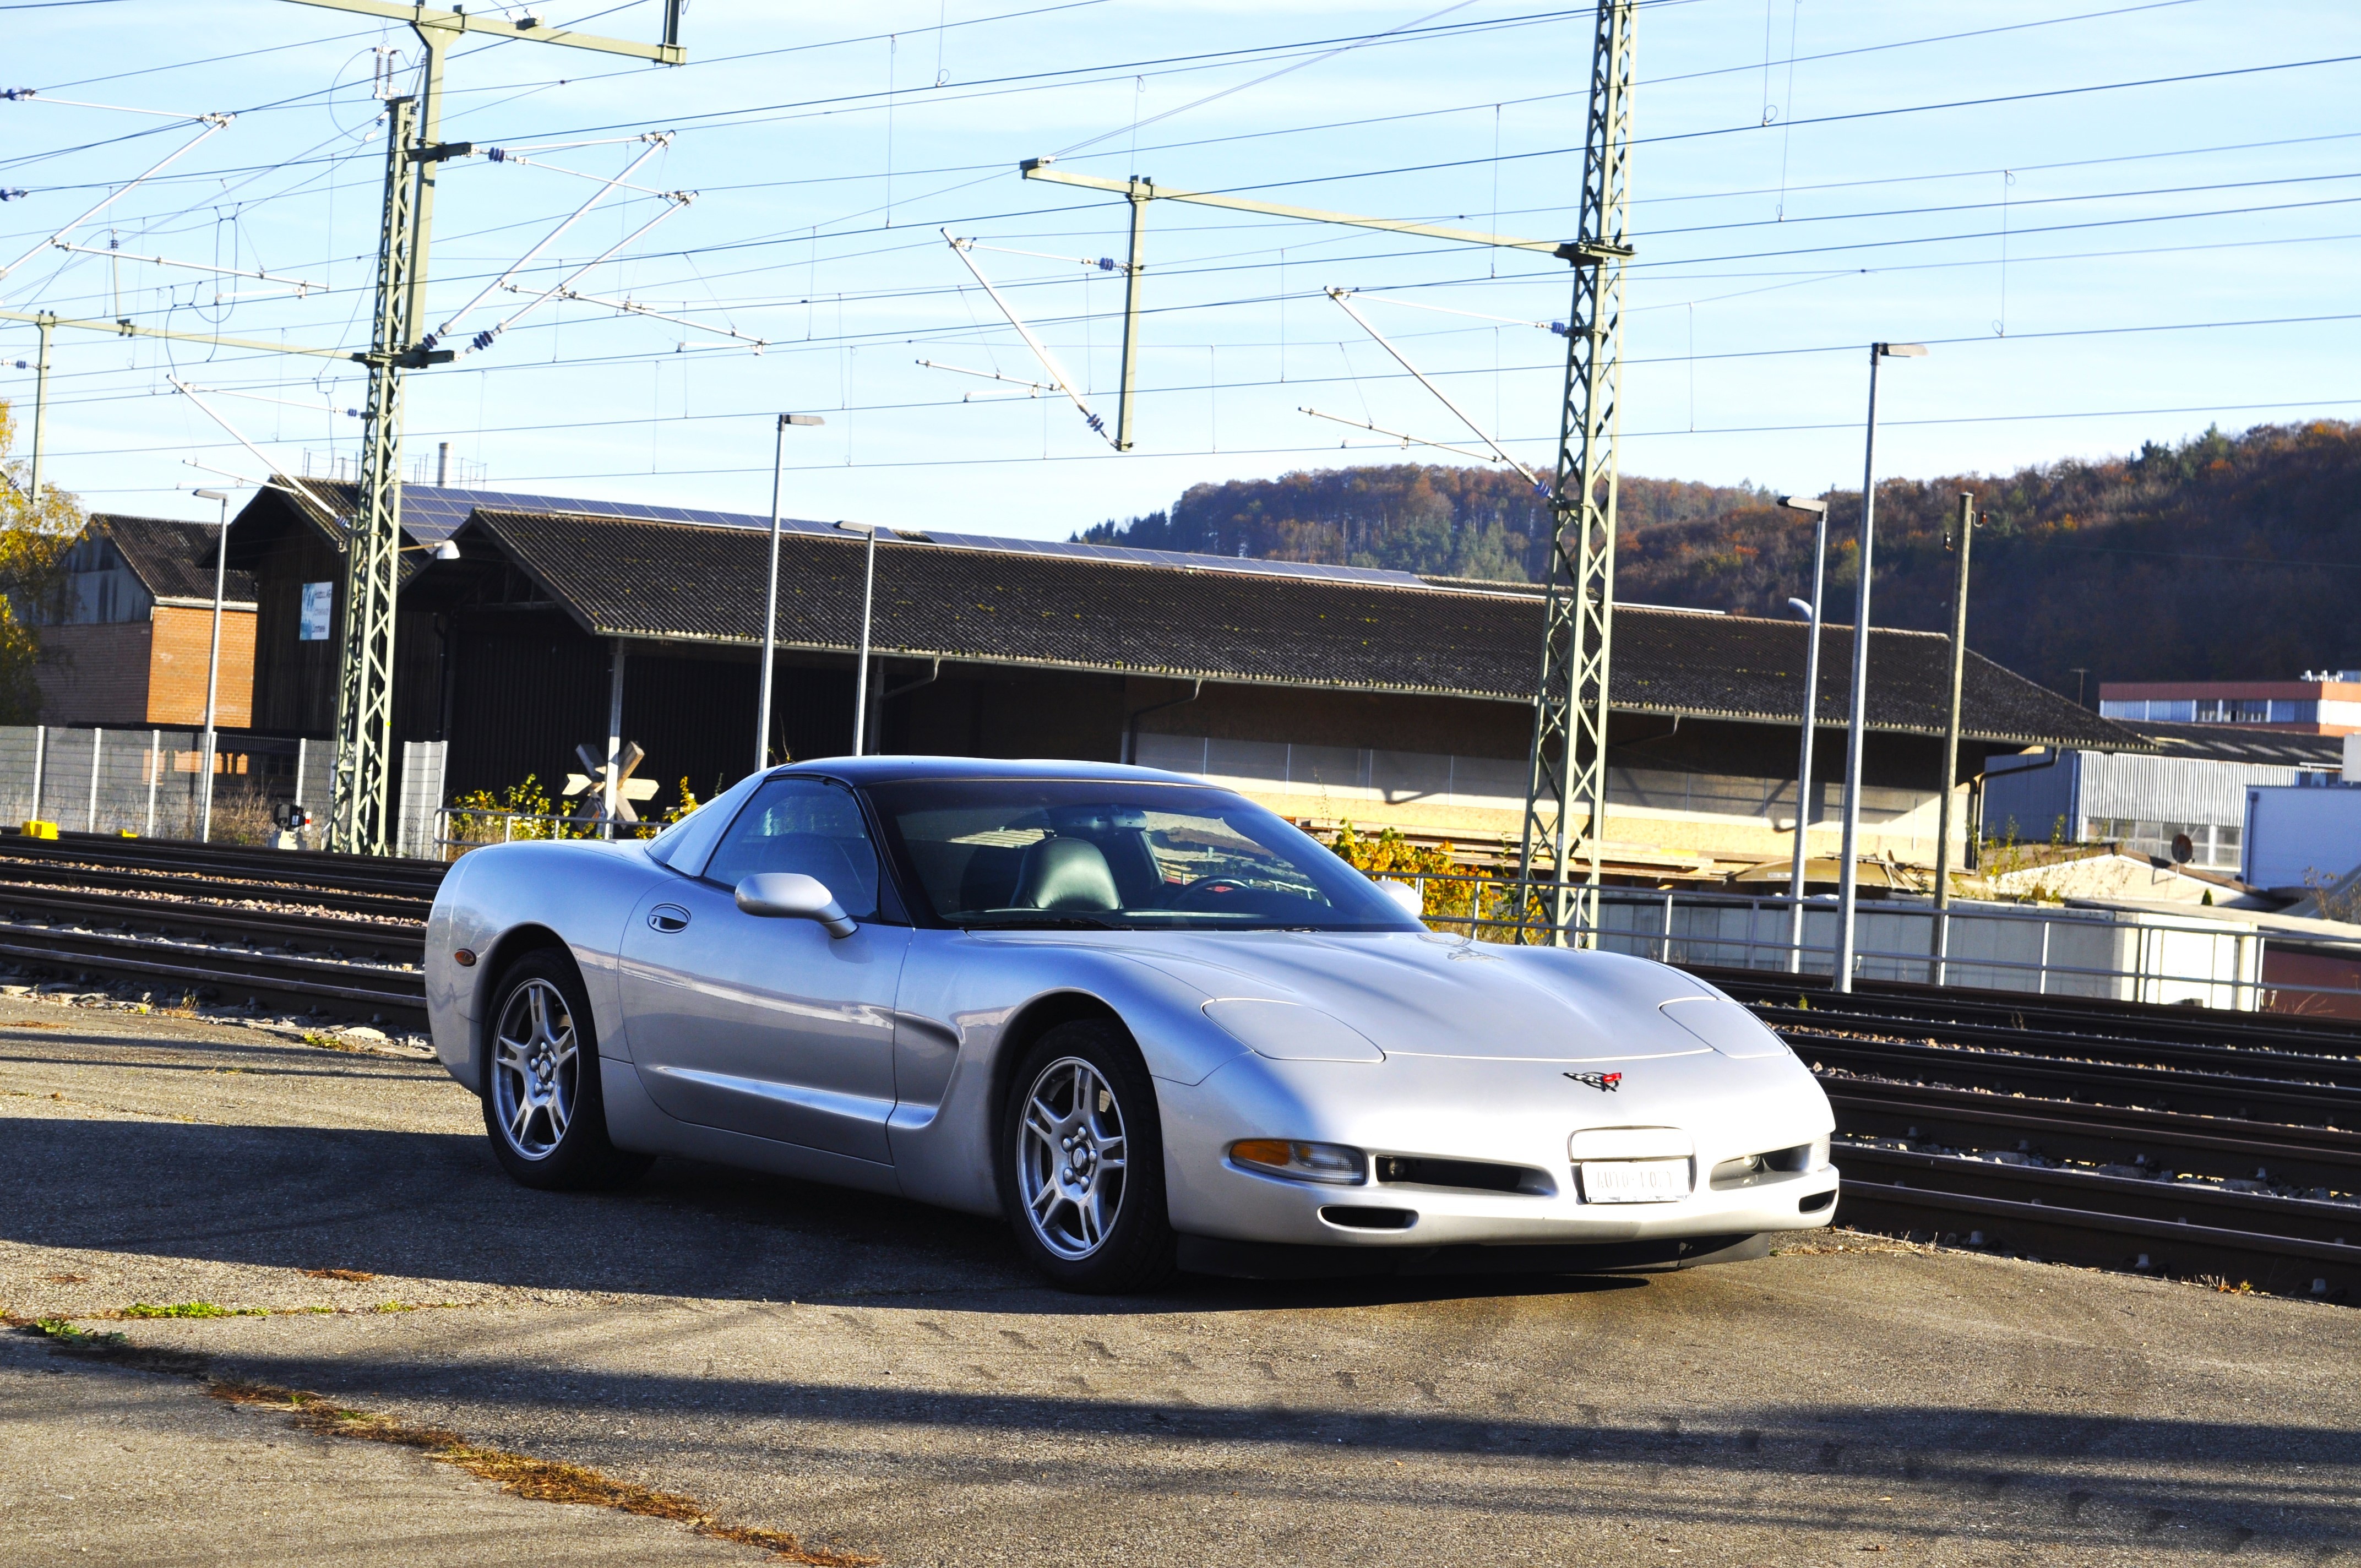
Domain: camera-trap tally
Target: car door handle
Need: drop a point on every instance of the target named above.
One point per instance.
(668, 917)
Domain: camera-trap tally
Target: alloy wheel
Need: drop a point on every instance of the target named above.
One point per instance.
(536, 1071)
(1072, 1159)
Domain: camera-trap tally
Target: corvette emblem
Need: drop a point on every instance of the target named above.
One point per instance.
(1607, 1082)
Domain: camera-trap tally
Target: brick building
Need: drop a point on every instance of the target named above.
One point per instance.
(134, 644)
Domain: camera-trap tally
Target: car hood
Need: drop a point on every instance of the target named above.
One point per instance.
(1416, 995)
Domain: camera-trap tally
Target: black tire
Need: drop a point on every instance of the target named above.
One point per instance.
(1131, 1246)
(543, 1103)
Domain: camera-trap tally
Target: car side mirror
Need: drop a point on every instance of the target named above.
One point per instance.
(791, 896)
(1412, 902)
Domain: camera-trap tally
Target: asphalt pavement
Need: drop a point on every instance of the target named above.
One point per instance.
(885, 1380)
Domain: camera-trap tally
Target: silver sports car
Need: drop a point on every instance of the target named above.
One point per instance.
(1149, 1021)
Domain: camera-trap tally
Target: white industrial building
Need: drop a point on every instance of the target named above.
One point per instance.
(2193, 786)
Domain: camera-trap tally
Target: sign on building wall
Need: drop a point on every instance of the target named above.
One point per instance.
(319, 609)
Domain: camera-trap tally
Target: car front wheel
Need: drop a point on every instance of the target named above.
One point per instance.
(541, 1100)
(1084, 1156)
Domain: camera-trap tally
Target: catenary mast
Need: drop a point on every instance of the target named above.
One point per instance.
(1566, 789)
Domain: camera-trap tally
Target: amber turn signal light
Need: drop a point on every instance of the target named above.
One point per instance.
(465, 957)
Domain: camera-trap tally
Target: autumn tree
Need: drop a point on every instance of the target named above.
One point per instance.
(34, 534)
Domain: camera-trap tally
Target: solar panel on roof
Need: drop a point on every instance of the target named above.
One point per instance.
(430, 513)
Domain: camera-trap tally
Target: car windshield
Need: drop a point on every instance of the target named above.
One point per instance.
(1123, 856)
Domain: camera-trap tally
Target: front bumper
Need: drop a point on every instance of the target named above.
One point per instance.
(1513, 1115)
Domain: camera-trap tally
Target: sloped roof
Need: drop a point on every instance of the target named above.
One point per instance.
(645, 579)
(2230, 744)
(173, 560)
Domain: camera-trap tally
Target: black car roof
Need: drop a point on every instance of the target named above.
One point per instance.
(895, 770)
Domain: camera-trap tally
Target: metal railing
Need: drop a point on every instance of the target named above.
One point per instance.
(458, 829)
(2098, 953)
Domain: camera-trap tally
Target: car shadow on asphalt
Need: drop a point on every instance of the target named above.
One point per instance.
(2054, 1477)
(430, 1206)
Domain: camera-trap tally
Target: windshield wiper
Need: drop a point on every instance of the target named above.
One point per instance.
(1046, 920)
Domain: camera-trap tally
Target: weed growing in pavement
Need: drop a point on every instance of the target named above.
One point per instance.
(542, 1480)
(63, 1330)
(192, 1309)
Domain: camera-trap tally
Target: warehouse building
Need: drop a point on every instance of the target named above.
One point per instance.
(1329, 693)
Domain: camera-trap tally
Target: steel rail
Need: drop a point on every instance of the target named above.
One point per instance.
(2162, 1140)
(2129, 1197)
(230, 972)
(2154, 1021)
(2231, 1060)
(202, 922)
(200, 886)
(2282, 1264)
(2164, 1089)
(368, 873)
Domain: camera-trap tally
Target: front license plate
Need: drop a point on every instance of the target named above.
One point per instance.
(1634, 1181)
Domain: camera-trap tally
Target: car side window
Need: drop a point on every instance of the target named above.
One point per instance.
(808, 826)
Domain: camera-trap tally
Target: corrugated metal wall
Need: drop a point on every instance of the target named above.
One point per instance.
(2179, 790)
(2172, 789)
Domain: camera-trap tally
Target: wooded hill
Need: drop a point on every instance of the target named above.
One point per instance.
(2222, 557)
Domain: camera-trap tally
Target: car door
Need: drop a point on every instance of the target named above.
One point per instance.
(765, 1026)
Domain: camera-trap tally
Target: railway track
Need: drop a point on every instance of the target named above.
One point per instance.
(319, 868)
(2292, 1103)
(294, 929)
(2154, 1024)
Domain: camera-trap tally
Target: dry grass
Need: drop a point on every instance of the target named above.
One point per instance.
(542, 1480)
(355, 1275)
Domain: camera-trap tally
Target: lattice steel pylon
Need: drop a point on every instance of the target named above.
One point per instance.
(372, 539)
(1567, 776)
(371, 536)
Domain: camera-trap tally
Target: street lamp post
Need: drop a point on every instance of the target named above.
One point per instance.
(771, 597)
(868, 596)
(1958, 538)
(1859, 718)
(1817, 510)
(212, 661)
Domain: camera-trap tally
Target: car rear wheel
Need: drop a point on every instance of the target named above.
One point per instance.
(1083, 1157)
(541, 1100)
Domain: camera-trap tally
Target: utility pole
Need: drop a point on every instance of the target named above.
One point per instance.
(1567, 772)
(357, 822)
(41, 406)
(1138, 196)
(1955, 538)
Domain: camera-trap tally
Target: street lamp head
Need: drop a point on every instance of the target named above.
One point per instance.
(1805, 504)
(447, 551)
(868, 528)
(800, 419)
(213, 495)
(1802, 607)
(1900, 350)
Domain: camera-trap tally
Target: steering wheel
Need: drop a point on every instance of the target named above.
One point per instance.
(1212, 887)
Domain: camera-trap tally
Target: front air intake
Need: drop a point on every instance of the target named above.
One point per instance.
(1358, 1219)
(1466, 1175)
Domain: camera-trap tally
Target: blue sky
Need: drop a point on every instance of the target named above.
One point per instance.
(2069, 246)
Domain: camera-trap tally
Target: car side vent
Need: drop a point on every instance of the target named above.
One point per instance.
(1753, 1170)
(1471, 1175)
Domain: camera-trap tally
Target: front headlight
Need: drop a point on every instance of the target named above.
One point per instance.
(1337, 1164)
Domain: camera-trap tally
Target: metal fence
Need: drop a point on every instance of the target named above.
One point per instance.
(150, 782)
(2103, 954)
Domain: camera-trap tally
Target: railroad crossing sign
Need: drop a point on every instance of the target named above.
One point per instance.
(592, 785)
